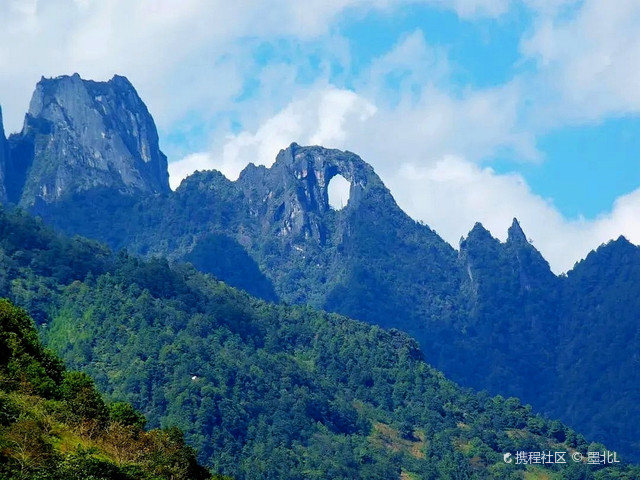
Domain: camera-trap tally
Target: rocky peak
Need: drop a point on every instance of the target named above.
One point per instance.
(312, 168)
(293, 192)
(613, 259)
(515, 234)
(516, 262)
(530, 261)
(80, 134)
(477, 252)
(478, 234)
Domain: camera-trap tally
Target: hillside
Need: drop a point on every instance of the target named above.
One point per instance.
(55, 425)
(267, 391)
(490, 315)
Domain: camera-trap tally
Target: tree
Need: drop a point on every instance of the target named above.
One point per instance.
(125, 414)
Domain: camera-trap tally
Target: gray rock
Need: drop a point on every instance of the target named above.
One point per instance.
(4, 158)
(292, 195)
(80, 135)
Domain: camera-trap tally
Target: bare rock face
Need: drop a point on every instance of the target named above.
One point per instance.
(4, 159)
(80, 134)
(293, 194)
(514, 269)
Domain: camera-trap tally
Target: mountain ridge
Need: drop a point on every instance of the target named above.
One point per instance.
(512, 330)
(267, 391)
(491, 315)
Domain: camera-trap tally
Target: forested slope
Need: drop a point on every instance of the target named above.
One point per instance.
(263, 390)
(54, 425)
(491, 315)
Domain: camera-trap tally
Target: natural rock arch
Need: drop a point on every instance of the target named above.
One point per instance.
(338, 191)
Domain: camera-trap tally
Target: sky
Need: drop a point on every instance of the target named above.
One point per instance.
(469, 110)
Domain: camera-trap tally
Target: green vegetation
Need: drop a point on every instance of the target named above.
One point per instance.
(55, 425)
(262, 391)
(491, 316)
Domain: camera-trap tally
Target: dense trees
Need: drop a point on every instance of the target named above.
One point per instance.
(55, 425)
(261, 390)
(491, 315)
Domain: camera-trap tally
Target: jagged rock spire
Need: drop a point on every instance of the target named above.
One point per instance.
(293, 192)
(479, 231)
(515, 234)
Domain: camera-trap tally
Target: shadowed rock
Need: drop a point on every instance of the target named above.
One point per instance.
(4, 158)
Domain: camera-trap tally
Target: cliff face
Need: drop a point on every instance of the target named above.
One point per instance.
(291, 198)
(81, 134)
(4, 158)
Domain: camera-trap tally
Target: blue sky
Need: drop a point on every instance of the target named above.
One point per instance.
(584, 168)
(484, 50)
(469, 110)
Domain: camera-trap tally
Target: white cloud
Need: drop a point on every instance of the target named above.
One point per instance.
(475, 125)
(181, 169)
(421, 130)
(338, 192)
(157, 45)
(411, 64)
(587, 56)
(160, 44)
(322, 117)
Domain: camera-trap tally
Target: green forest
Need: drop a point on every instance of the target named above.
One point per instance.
(491, 315)
(55, 425)
(260, 390)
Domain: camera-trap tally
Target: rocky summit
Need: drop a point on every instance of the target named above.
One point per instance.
(293, 193)
(81, 134)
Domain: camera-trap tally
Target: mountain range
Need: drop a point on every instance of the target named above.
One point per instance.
(262, 391)
(490, 315)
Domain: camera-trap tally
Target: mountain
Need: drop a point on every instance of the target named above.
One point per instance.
(600, 329)
(280, 218)
(54, 425)
(490, 315)
(263, 391)
(4, 159)
(509, 292)
(79, 135)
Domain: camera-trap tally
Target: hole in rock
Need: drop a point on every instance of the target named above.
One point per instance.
(338, 192)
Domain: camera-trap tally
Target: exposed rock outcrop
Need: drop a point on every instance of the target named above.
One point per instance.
(4, 159)
(81, 134)
(293, 193)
